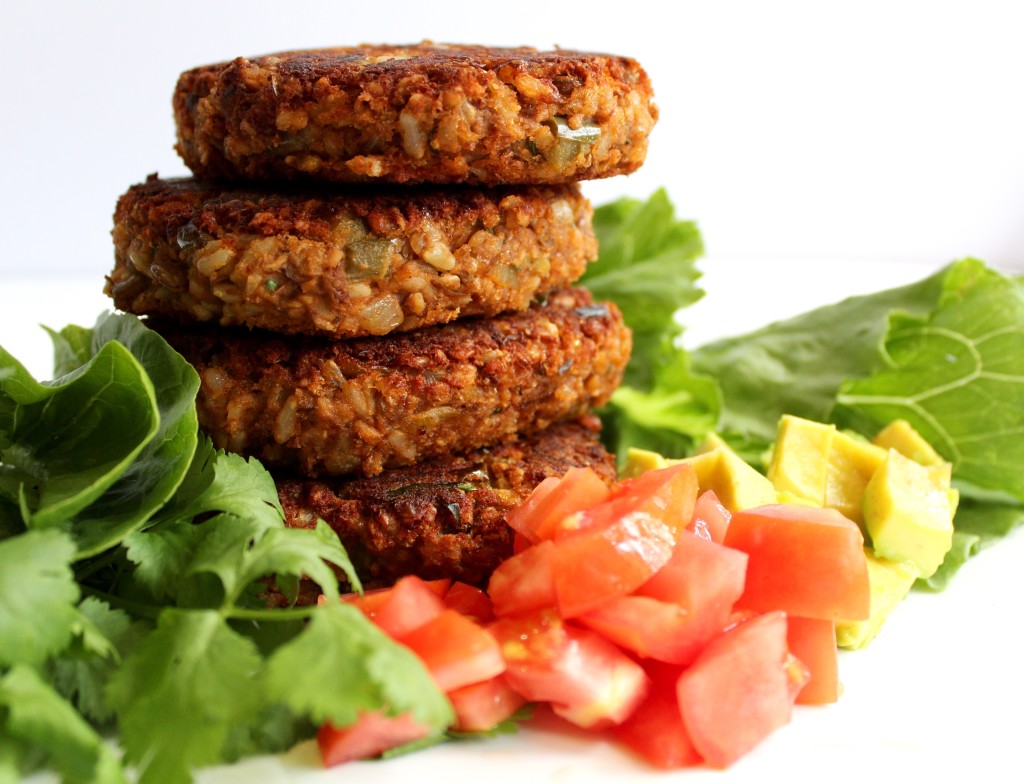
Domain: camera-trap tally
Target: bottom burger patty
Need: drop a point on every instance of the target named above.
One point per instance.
(443, 518)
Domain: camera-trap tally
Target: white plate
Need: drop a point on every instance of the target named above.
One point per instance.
(938, 694)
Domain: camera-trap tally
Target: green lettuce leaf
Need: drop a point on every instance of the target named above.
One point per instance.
(797, 366)
(957, 375)
(65, 444)
(155, 473)
(646, 265)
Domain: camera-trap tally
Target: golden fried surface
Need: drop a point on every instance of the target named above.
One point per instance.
(418, 113)
(322, 407)
(343, 262)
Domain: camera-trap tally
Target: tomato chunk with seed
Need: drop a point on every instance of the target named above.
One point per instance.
(586, 679)
(371, 735)
(740, 689)
(455, 650)
(480, 707)
(813, 642)
(807, 561)
(555, 500)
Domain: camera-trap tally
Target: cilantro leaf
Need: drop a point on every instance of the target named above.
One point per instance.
(37, 715)
(342, 665)
(181, 693)
(38, 594)
(220, 481)
(103, 636)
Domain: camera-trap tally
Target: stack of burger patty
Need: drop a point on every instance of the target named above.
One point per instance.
(372, 273)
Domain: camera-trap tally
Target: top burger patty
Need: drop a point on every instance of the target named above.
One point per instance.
(418, 113)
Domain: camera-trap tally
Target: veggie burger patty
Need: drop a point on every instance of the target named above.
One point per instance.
(343, 263)
(446, 517)
(325, 407)
(418, 113)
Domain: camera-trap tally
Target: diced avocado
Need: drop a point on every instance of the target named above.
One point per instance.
(640, 460)
(800, 459)
(711, 442)
(736, 483)
(908, 514)
(786, 497)
(890, 583)
(901, 436)
(851, 464)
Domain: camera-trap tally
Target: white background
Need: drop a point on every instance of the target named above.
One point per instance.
(792, 130)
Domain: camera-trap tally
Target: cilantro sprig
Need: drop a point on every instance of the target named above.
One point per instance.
(135, 563)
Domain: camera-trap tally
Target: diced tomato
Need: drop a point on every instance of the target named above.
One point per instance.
(598, 564)
(370, 601)
(655, 730)
(525, 582)
(704, 577)
(554, 500)
(807, 561)
(455, 650)
(482, 706)
(519, 543)
(665, 494)
(657, 630)
(813, 642)
(740, 689)
(710, 519)
(587, 680)
(370, 736)
(409, 604)
(470, 601)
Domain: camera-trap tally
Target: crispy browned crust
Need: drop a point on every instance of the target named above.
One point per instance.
(343, 263)
(443, 518)
(417, 113)
(321, 407)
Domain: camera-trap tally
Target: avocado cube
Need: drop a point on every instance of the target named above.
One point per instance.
(737, 484)
(901, 436)
(799, 462)
(890, 582)
(851, 464)
(639, 461)
(908, 512)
